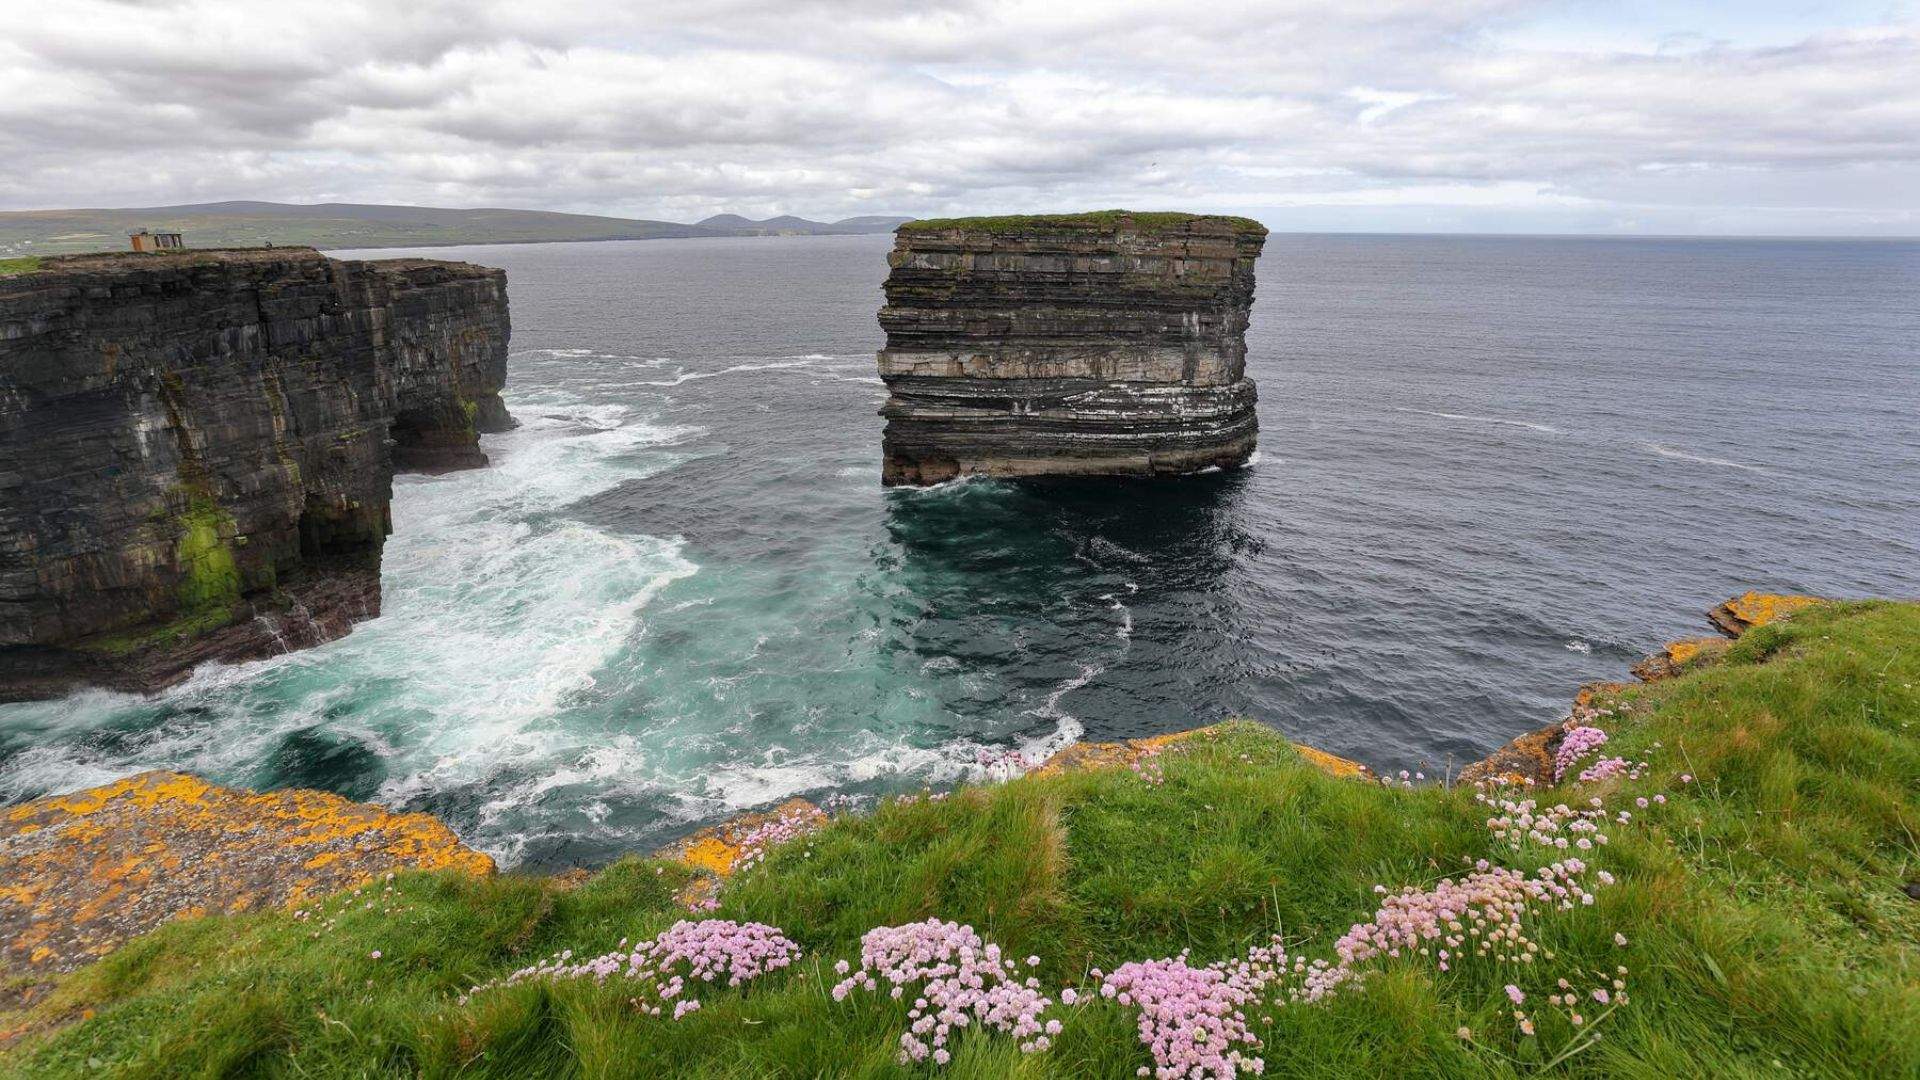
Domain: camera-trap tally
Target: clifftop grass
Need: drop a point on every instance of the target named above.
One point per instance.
(1766, 928)
(1092, 221)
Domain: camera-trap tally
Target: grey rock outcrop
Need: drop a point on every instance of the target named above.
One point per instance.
(197, 450)
(1104, 343)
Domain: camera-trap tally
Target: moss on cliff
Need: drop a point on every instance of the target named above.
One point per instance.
(210, 579)
(1092, 220)
(1760, 910)
(210, 582)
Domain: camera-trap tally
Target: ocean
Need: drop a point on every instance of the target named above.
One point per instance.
(1491, 469)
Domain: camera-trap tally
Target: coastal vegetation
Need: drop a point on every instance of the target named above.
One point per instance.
(1092, 219)
(1722, 883)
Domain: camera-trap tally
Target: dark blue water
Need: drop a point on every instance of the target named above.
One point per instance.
(1491, 469)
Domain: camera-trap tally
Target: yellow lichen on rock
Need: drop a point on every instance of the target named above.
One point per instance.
(81, 873)
(1332, 764)
(1751, 609)
(1676, 656)
(718, 849)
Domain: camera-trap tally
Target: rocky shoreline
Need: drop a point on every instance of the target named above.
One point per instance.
(80, 873)
(197, 449)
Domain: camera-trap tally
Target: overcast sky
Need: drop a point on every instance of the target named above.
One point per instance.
(1770, 116)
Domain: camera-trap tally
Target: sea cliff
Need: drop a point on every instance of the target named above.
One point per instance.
(1103, 343)
(197, 450)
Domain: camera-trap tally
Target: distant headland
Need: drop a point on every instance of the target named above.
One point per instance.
(363, 225)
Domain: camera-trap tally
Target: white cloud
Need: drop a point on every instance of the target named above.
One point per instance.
(828, 108)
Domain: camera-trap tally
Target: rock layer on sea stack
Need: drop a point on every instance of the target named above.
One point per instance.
(197, 450)
(1103, 343)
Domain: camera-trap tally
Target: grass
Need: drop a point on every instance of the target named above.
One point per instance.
(1097, 220)
(1768, 931)
(25, 264)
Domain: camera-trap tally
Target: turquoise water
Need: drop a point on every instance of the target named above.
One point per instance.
(1491, 470)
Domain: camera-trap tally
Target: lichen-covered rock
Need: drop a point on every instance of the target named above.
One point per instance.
(1751, 609)
(1677, 656)
(1107, 343)
(81, 873)
(196, 450)
(718, 849)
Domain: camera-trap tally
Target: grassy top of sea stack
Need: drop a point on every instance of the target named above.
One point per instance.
(1744, 906)
(1091, 221)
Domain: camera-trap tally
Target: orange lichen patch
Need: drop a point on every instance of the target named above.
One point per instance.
(717, 849)
(1332, 764)
(81, 873)
(1589, 696)
(1744, 612)
(1526, 760)
(1679, 652)
(1676, 656)
(1084, 757)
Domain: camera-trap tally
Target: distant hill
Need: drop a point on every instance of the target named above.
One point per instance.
(363, 225)
(788, 225)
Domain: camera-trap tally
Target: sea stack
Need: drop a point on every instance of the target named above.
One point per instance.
(197, 449)
(1107, 343)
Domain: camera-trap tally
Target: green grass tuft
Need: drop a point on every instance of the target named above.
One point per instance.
(1768, 931)
(25, 264)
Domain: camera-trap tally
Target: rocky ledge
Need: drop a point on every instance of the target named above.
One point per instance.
(81, 873)
(1529, 759)
(197, 449)
(1102, 343)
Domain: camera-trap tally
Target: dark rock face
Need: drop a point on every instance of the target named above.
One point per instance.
(197, 450)
(1088, 344)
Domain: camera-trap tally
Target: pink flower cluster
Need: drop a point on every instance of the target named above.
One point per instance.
(1608, 768)
(1579, 740)
(757, 841)
(966, 980)
(1570, 1002)
(840, 803)
(1191, 1019)
(1147, 766)
(1000, 764)
(1559, 826)
(1482, 910)
(710, 951)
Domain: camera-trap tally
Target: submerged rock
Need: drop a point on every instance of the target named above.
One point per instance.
(197, 449)
(1106, 343)
(81, 873)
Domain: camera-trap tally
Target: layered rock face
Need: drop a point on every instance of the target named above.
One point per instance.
(1106, 343)
(197, 450)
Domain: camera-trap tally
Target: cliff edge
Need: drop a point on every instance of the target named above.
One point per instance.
(1101, 343)
(197, 449)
